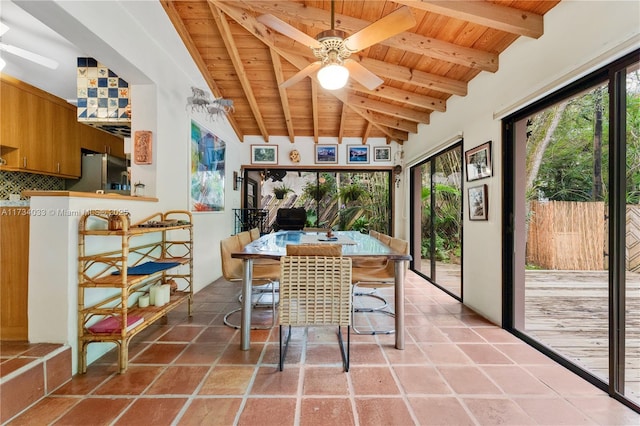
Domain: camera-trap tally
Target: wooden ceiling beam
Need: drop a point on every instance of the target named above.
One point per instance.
(385, 108)
(403, 96)
(227, 38)
(503, 18)
(178, 24)
(264, 34)
(411, 42)
(284, 99)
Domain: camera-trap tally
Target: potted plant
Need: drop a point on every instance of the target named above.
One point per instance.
(281, 191)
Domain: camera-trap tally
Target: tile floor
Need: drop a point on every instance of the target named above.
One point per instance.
(457, 369)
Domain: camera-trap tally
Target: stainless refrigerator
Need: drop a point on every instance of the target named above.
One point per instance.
(102, 172)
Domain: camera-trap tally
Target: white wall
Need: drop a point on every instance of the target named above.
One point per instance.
(578, 37)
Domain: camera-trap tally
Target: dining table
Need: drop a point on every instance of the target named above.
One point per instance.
(354, 244)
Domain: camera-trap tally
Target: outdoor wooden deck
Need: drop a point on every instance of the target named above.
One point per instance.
(568, 311)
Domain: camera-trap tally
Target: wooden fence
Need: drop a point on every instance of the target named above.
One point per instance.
(567, 235)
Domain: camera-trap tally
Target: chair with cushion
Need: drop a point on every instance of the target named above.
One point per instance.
(315, 289)
(244, 237)
(265, 277)
(372, 276)
(254, 233)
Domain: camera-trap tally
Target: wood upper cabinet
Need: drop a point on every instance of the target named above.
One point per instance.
(40, 133)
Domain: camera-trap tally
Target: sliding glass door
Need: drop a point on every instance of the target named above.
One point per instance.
(437, 220)
(572, 250)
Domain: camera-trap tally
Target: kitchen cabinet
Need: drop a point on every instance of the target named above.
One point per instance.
(156, 250)
(40, 133)
(14, 273)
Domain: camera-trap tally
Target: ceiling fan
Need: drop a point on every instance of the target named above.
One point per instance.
(31, 56)
(333, 48)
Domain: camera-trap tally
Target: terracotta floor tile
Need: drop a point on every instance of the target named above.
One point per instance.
(133, 382)
(13, 364)
(234, 355)
(211, 412)
(181, 333)
(268, 412)
(456, 369)
(94, 411)
(438, 410)
(58, 370)
(152, 411)
(373, 381)
(421, 380)
(468, 380)
(227, 380)
(363, 353)
(324, 354)
(563, 381)
(522, 353)
(272, 381)
(178, 380)
(84, 384)
(411, 354)
(553, 411)
(44, 412)
(325, 381)
(41, 349)
(484, 354)
(515, 380)
(498, 411)
(18, 393)
(326, 411)
(159, 353)
(445, 354)
(461, 335)
(203, 353)
(383, 411)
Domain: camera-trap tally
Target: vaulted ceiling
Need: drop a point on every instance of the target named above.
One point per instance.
(421, 68)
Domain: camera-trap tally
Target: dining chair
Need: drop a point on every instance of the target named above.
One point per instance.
(373, 277)
(384, 238)
(315, 289)
(244, 237)
(254, 233)
(265, 277)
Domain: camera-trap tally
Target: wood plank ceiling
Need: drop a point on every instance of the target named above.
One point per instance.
(246, 61)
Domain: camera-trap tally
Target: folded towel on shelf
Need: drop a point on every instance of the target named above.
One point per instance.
(148, 268)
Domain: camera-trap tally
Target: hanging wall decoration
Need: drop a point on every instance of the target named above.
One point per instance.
(207, 170)
(142, 147)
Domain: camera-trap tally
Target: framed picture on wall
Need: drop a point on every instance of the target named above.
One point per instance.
(382, 153)
(478, 202)
(262, 154)
(326, 154)
(478, 162)
(358, 154)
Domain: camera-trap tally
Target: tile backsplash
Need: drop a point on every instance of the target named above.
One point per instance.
(16, 182)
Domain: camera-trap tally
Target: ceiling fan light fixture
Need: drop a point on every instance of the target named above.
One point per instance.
(333, 76)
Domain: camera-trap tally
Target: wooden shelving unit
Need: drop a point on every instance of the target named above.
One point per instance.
(160, 241)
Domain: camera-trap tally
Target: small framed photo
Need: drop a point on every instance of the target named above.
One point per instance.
(263, 154)
(478, 162)
(478, 202)
(358, 154)
(326, 154)
(382, 153)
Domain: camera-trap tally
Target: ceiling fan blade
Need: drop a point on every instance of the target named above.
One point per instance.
(362, 75)
(394, 23)
(289, 30)
(33, 57)
(304, 72)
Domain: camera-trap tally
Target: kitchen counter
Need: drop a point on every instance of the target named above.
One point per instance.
(110, 196)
